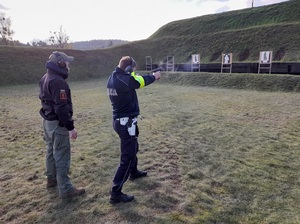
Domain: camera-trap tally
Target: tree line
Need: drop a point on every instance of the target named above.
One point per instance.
(57, 39)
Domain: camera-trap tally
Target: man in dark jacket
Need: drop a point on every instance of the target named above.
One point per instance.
(57, 111)
(121, 88)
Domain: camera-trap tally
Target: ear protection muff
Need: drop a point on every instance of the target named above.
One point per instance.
(129, 68)
(61, 63)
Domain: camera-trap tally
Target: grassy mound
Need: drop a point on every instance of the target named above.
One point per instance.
(244, 33)
(261, 82)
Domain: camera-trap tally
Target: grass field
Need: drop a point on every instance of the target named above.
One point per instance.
(213, 156)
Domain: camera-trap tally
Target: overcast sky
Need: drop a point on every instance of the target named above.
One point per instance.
(84, 20)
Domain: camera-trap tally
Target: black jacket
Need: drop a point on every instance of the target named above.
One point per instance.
(121, 89)
(55, 96)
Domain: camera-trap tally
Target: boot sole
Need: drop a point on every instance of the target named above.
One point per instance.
(112, 201)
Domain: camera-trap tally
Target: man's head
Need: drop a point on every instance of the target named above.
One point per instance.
(60, 59)
(127, 63)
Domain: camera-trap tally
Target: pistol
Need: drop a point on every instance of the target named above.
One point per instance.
(158, 69)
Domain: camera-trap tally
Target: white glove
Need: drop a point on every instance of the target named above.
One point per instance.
(156, 75)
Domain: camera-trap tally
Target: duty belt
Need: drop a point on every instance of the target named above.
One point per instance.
(124, 120)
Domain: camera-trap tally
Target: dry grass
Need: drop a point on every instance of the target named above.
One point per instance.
(213, 156)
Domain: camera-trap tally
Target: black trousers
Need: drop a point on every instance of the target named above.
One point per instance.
(128, 159)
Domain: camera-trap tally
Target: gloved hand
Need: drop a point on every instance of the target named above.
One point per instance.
(73, 134)
(156, 75)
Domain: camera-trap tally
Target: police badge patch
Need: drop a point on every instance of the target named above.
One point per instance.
(63, 94)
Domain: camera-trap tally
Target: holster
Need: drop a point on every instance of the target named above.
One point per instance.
(131, 126)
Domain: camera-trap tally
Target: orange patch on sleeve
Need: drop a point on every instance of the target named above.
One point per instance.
(63, 94)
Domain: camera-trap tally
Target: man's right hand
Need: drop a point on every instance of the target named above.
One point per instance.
(157, 75)
(73, 134)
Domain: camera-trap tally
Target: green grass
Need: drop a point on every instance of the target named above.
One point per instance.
(213, 156)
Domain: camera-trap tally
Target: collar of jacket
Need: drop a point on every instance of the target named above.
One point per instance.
(121, 71)
(61, 71)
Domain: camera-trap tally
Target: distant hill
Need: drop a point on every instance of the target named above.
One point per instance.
(96, 44)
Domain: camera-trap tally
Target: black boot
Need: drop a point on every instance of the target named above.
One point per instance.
(116, 196)
(120, 198)
(137, 174)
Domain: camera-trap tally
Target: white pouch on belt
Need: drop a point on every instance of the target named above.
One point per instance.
(124, 120)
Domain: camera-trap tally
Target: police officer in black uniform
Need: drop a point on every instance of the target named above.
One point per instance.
(121, 88)
(57, 111)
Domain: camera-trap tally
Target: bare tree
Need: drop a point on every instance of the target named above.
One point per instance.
(5, 29)
(59, 39)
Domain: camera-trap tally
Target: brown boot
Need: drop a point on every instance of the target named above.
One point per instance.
(51, 183)
(72, 193)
